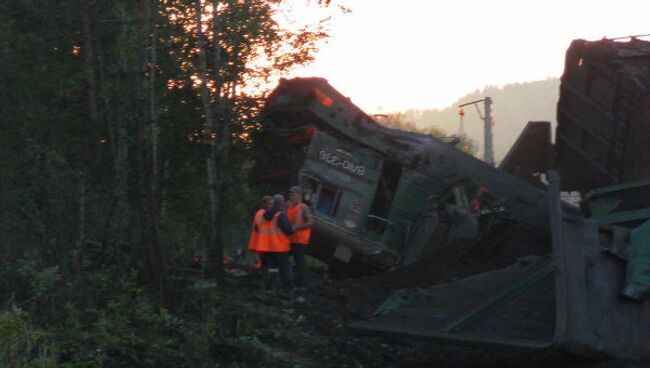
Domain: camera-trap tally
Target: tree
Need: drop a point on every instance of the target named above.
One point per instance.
(232, 47)
(107, 146)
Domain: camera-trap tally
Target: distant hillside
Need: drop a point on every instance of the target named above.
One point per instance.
(514, 106)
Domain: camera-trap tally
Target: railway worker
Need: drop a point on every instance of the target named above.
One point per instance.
(273, 230)
(301, 221)
(475, 206)
(266, 204)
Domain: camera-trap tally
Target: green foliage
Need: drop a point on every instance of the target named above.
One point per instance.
(103, 192)
(41, 281)
(23, 345)
(125, 329)
(119, 326)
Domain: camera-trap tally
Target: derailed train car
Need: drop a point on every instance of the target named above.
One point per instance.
(603, 115)
(592, 295)
(383, 197)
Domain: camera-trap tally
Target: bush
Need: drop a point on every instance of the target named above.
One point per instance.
(22, 345)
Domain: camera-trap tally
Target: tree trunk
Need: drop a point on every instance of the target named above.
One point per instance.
(120, 209)
(110, 113)
(213, 163)
(154, 126)
(89, 71)
(215, 183)
(148, 171)
(81, 226)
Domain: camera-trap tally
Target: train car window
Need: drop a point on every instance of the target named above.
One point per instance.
(309, 190)
(328, 200)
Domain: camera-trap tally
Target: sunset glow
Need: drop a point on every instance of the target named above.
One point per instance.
(390, 56)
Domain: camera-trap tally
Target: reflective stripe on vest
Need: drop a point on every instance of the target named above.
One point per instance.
(270, 237)
(296, 216)
(253, 239)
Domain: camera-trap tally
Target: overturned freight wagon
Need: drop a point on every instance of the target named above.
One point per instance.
(383, 197)
(591, 297)
(603, 115)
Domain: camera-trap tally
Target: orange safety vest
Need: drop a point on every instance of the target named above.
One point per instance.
(295, 214)
(270, 237)
(253, 239)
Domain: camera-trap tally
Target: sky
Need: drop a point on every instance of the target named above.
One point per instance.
(390, 56)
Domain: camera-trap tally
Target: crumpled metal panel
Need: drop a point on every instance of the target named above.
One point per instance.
(592, 315)
(624, 204)
(412, 197)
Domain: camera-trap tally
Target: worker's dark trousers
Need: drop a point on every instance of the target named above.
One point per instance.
(299, 253)
(279, 269)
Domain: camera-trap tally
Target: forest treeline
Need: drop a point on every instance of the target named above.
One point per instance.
(514, 106)
(125, 135)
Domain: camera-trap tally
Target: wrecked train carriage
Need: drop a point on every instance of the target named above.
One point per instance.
(603, 131)
(591, 298)
(376, 192)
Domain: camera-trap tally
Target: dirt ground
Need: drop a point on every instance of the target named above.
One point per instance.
(311, 329)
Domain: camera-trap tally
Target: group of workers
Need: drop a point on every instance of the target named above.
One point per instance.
(282, 231)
